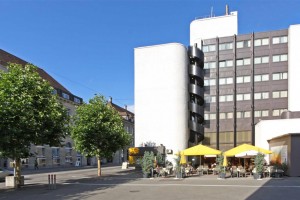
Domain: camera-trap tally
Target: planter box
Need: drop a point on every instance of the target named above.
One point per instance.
(10, 181)
(146, 175)
(222, 175)
(257, 176)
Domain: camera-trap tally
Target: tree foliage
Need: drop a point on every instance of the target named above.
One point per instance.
(98, 129)
(147, 162)
(29, 112)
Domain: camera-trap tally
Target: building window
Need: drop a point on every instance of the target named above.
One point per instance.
(212, 116)
(66, 96)
(229, 97)
(55, 151)
(247, 114)
(247, 96)
(242, 44)
(265, 95)
(261, 42)
(257, 78)
(261, 113)
(222, 115)
(261, 60)
(77, 100)
(225, 63)
(209, 65)
(261, 77)
(280, 58)
(243, 79)
(261, 95)
(264, 113)
(279, 40)
(40, 151)
(279, 94)
(243, 97)
(225, 46)
(244, 61)
(54, 91)
(280, 76)
(225, 81)
(208, 48)
(209, 82)
(226, 98)
(243, 114)
(277, 112)
(264, 77)
(210, 99)
(206, 116)
(229, 115)
(222, 98)
(213, 99)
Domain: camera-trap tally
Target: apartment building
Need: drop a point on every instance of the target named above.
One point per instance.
(128, 123)
(50, 156)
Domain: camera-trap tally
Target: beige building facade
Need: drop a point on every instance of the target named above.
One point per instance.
(49, 156)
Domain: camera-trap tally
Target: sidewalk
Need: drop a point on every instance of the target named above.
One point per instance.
(26, 171)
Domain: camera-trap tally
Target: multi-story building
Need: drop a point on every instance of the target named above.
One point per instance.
(50, 156)
(248, 78)
(128, 123)
(245, 79)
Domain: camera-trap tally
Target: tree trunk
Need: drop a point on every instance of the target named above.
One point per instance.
(99, 166)
(18, 172)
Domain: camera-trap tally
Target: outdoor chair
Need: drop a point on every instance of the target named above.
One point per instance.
(200, 170)
(216, 170)
(162, 172)
(242, 172)
(234, 171)
(249, 171)
(205, 169)
(268, 171)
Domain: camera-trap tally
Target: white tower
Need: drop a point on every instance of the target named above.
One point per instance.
(161, 95)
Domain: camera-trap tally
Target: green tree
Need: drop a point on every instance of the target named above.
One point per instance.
(147, 162)
(98, 130)
(159, 159)
(29, 113)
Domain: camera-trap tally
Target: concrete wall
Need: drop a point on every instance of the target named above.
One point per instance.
(294, 69)
(268, 129)
(295, 161)
(161, 95)
(292, 141)
(206, 28)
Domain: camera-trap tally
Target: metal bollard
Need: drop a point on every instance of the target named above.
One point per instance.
(51, 181)
(54, 183)
(49, 185)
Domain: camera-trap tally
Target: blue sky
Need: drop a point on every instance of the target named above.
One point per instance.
(88, 45)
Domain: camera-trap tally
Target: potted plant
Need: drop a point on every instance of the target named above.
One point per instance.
(147, 163)
(159, 159)
(222, 170)
(259, 165)
(178, 170)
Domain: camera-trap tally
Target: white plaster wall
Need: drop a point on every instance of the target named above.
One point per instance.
(268, 129)
(212, 27)
(294, 68)
(161, 95)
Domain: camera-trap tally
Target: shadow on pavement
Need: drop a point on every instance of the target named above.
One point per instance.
(81, 188)
(278, 188)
